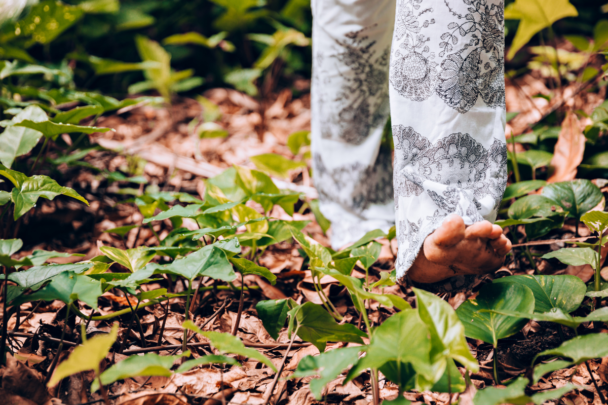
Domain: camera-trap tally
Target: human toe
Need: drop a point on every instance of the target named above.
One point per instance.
(479, 230)
(451, 231)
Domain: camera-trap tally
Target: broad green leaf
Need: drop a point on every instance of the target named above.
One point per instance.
(596, 221)
(399, 348)
(297, 140)
(238, 14)
(148, 365)
(319, 256)
(355, 287)
(189, 211)
(32, 188)
(52, 130)
(15, 177)
(75, 115)
(17, 141)
(515, 394)
(160, 76)
(196, 39)
(5, 197)
(39, 274)
(226, 343)
(247, 214)
(564, 291)
(457, 383)
(39, 257)
(244, 80)
(326, 367)
(277, 43)
(285, 200)
(273, 314)
(7, 261)
(10, 246)
(208, 261)
(132, 259)
(490, 327)
(254, 182)
(537, 229)
(542, 369)
(131, 18)
(386, 279)
(522, 188)
(576, 197)
(323, 222)
(69, 287)
(317, 326)
(86, 356)
(447, 333)
(99, 6)
(211, 111)
(280, 231)
(556, 315)
(276, 165)
(535, 158)
(346, 266)
(534, 16)
(364, 240)
(574, 256)
(245, 267)
(503, 223)
(368, 254)
(17, 68)
(534, 206)
(580, 348)
(204, 360)
(121, 230)
(103, 66)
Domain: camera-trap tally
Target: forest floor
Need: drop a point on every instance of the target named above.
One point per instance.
(168, 158)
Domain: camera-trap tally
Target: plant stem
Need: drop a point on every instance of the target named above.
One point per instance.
(495, 368)
(531, 259)
(597, 388)
(278, 374)
(449, 383)
(104, 393)
(46, 140)
(141, 331)
(598, 264)
(186, 316)
(122, 344)
(4, 320)
(235, 328)
(60, 348)
(514, 160)
(375, 391)
(162, 328)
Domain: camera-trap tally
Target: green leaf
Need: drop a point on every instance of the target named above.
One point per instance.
(39, 257)
(189, 211)
(556, 315)
(86, 356)
(534, 16)
(365, 239)
(245, 267)
(99, 6)
(103, 66)
(244, 80)
(447, 333)
(5, 260)
(600, 35)
(52, 130)
(5, 197)
(121, 231)
(534, 158)
(596, 221)
(576, 197)
(503, 223)
(75, 115)
(297, 140)
(326, 367)
(545, 368)
(368, 254)
(132, 259)
(204, 360)
(248, 214)
(522, 188)
(210, 261)
(17, 141)
(490, 327)
(196, 39)
(534, 206)
(211, 130)
(273, 314)
(254, 182)
(399, 348)
(69, 287)
(39, 274)
(32, 188)
(580, 348)
(9, 247)
(515, 394)
(226, 343)
(319, 256)
(276, 165)
(564, 291)
(346, 266)
(323, 222)
(317, 326)
(148, 365)
(574, 256)
(160, 76)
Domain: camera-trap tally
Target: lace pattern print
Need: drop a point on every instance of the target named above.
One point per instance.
(361, 102)
(455, 173)
(413, 70)
(355, 185)
(473, 47)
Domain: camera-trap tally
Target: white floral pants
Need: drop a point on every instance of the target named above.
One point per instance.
(437, 66)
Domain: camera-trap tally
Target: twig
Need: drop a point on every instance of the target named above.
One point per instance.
(122, 343)
(141, 330)
(202, 344)
(551, 241)
(597, 388)
(235, 328)
(60, 348)
(278, 374)
(104, 393)
(162, 328)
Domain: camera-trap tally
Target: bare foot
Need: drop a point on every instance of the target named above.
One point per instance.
(455, 249)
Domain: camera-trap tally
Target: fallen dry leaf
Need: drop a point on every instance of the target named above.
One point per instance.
(569, 149)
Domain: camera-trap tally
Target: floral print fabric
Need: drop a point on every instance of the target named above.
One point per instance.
(437, 67)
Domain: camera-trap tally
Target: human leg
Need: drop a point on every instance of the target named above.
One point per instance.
(352, 169)
(447, 111)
